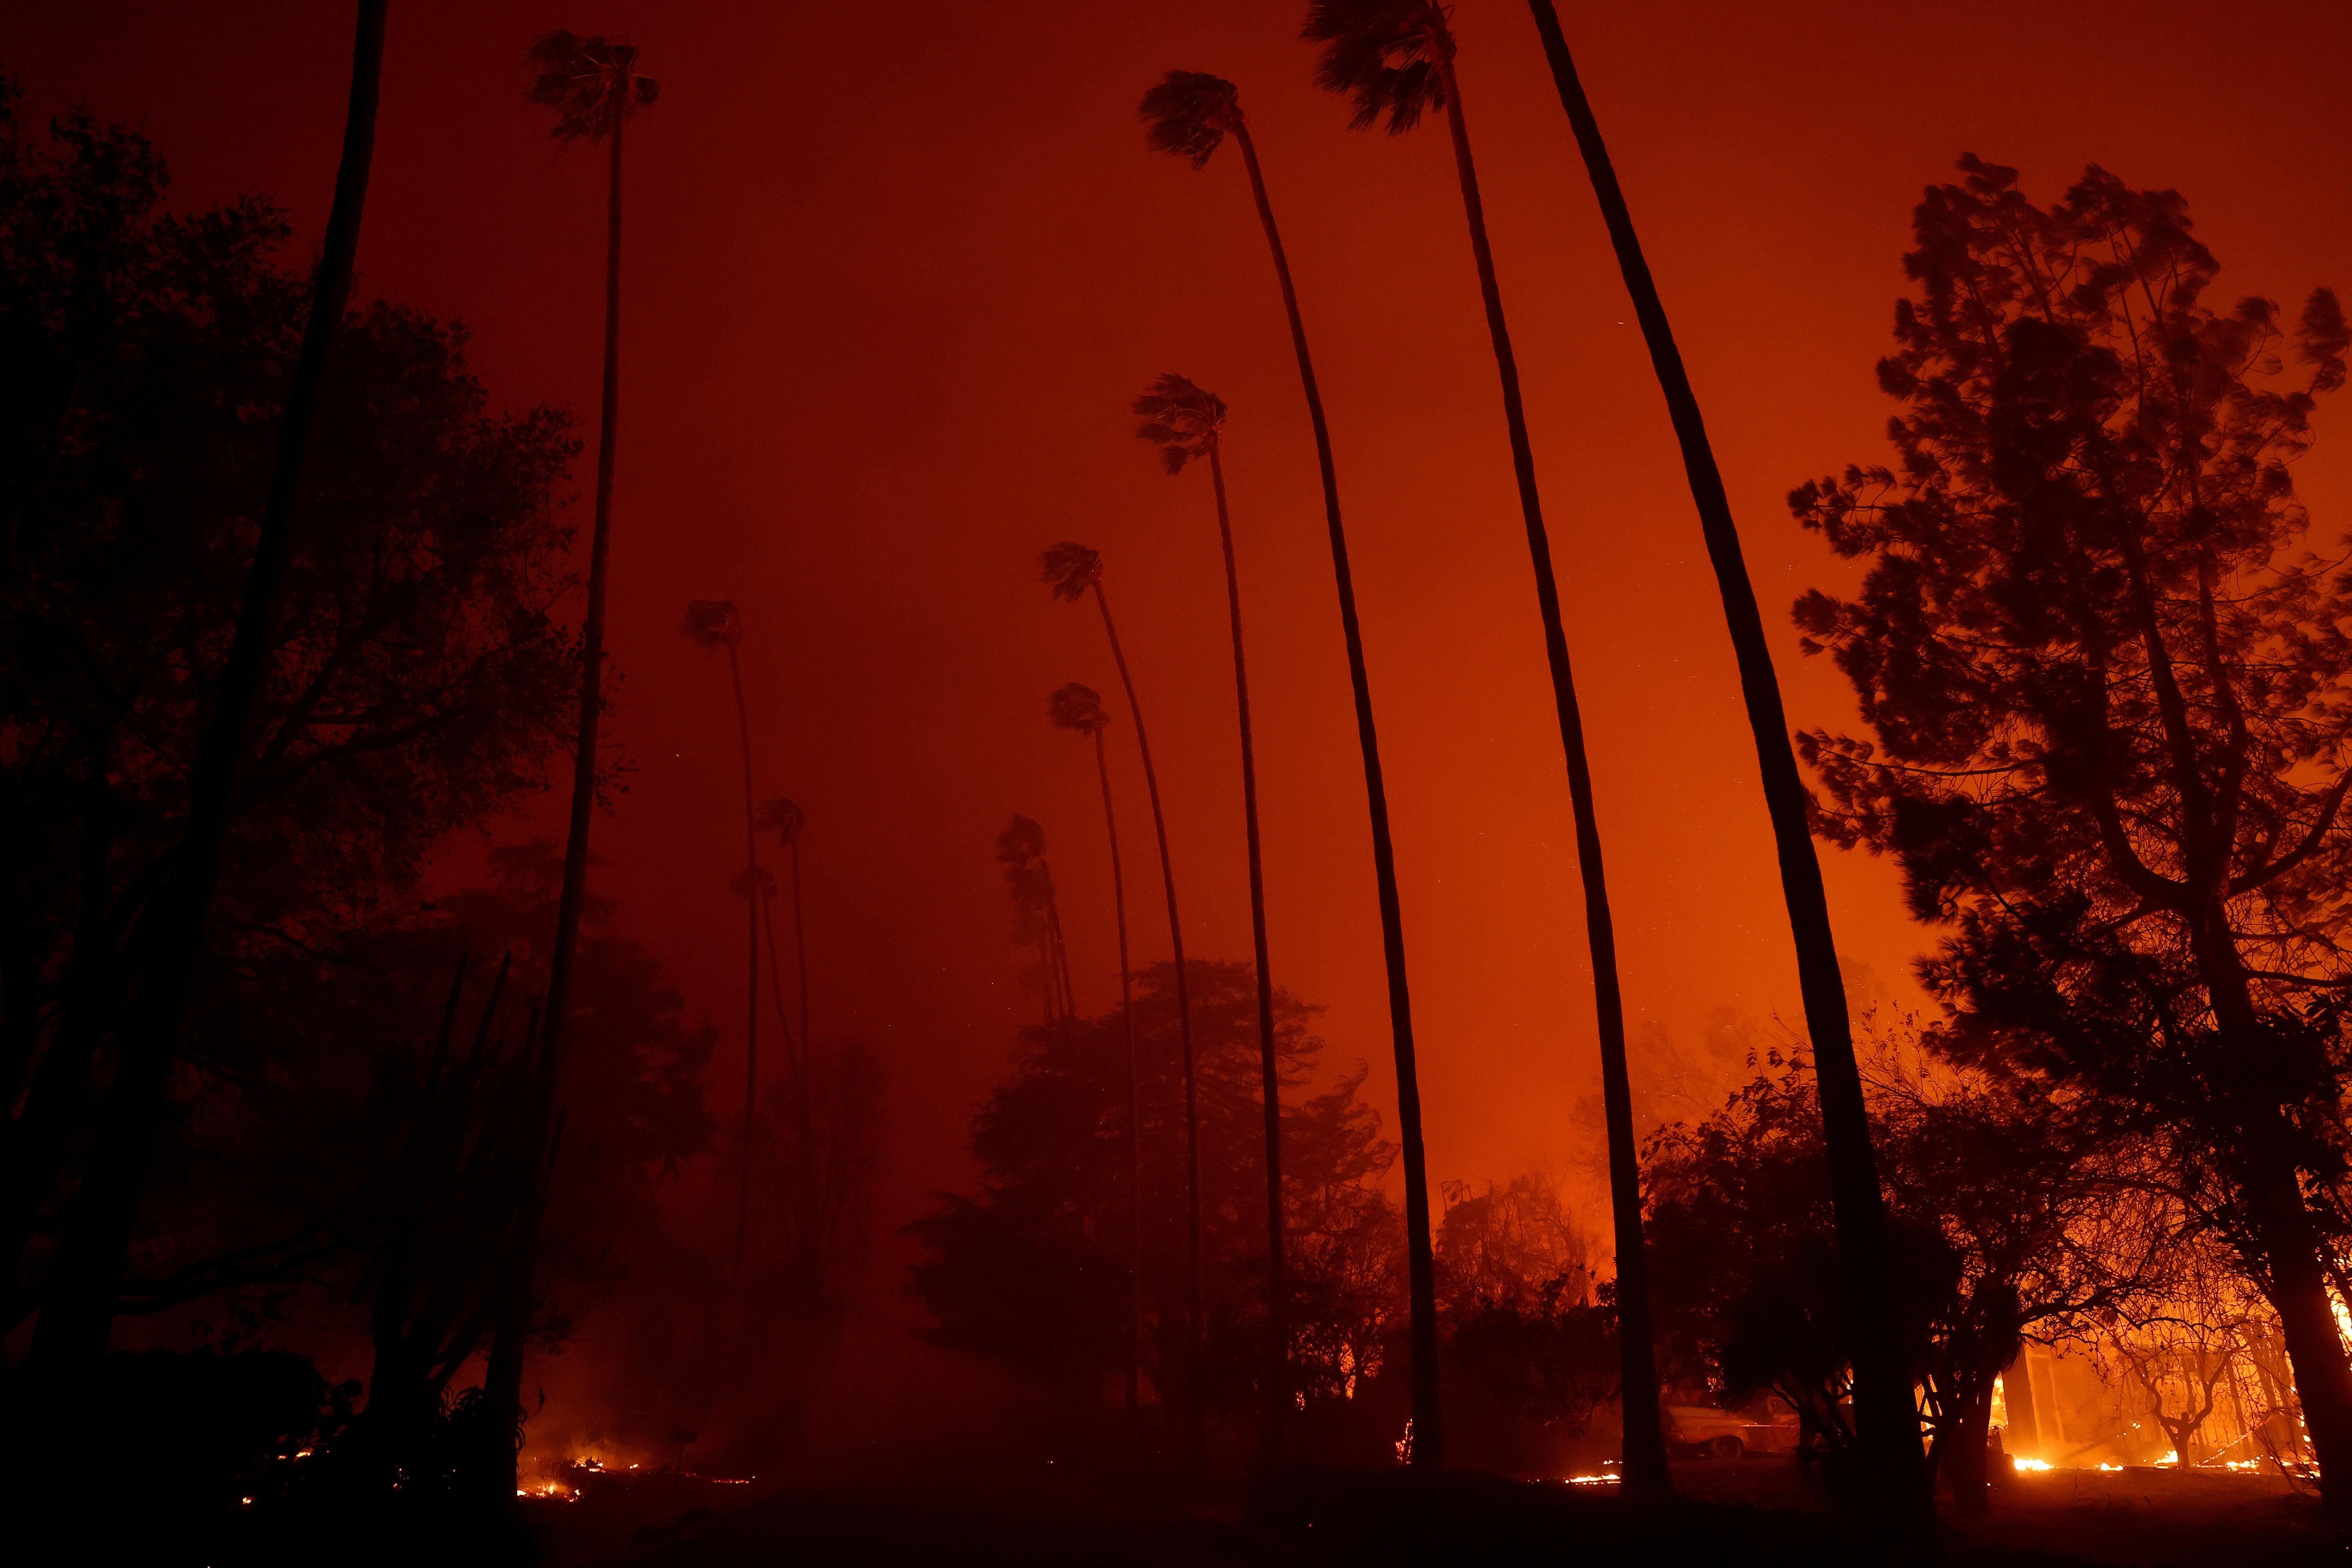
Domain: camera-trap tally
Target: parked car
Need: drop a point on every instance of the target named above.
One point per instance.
(1706, 1431)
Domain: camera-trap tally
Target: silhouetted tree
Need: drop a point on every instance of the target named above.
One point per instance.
(78, 1313)
(594, 87)
(1189, 114)
(2109, 701)
(1029, 1270)
(2013, 1211)
(1186, 422)
(1883, 1398)
(1079, 707)
(1072, 571)
(415, 679)
(716, 624)
(785, 819)
(1396, 58)
(798, 1099)
(1037, 918)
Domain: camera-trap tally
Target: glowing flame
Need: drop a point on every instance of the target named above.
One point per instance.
(1593, 1480)
(2029, 1463)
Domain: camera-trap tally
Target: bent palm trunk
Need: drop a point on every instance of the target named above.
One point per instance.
(1274, 1404)
(1887, 1428)
(1134, 1097)
(1421, 1271)
(1192, 1380)
(1646, 1470)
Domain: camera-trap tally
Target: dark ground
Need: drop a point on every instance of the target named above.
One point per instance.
(1749, 1512)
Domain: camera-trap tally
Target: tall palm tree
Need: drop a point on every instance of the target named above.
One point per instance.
(1396, 58)
(1072, 571)
(1186, 423)
(594, 87)
(1021, 850)
(713, 624)
(1189, 114)
(1888, 1425)
(1079, 707)
(784, 818)
(78, 1313)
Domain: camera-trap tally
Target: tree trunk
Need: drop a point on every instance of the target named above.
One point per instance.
(2289, 1243)
(79, 1313)
(1194, 1456)
(1646, 1470)
(1887, 1426)
(1428, 1449)
(1275, 1399)
(751, 955)
(1134, 1100)
(1964, 1466)
(508, 1346)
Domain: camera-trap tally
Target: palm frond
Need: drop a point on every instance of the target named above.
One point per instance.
(1077, 707)
(1189, 113)
(1021, 843)
(590, 83)
(713, 624)
(1383, 54)
(782, 817)
(1071, 569)
(1181, 419)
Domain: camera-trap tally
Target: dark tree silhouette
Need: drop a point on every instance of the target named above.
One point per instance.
(594, 87)
(717, 624)
(1037, 914)
(1025, 1271)
(1396, 58)
(416, 680)
(1189, 114)
(784, 818)
(78, 1313)
(1079, 707)
(1186, 423)
(1883, 1395)
(2108, 693)
(1072, 571)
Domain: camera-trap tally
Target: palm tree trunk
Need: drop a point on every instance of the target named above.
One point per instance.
(1887, 1426)
(1420, 1270)
(592, 634)
(1134, 1098)
(803, 1096)
(1191, 1382)
(1646, 1470)
(1274, 1404)
(752, 964)
(514, 1311)
(77, 1314)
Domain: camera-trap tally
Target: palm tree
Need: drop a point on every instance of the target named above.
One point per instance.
(1189, 114)
(1072, 571)
(784, 818)
(1888, 1425)
(1079, 707)
(716, 624)
(78, 1311)
(1021, 850)
(1187, 423)
(594, 87)
(1396, 58)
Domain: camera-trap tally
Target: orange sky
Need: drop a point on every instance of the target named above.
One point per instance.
(894, 273)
